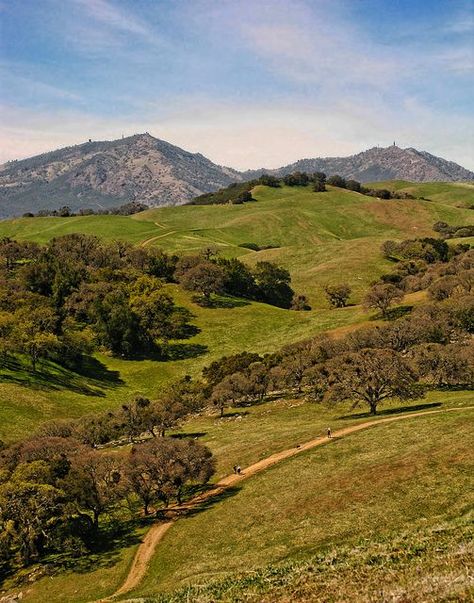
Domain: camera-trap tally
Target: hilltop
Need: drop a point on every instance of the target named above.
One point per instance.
(378, 163)
(148, 170)
(100, 174)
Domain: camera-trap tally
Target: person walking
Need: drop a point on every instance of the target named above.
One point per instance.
(238, 469)
(329, 433)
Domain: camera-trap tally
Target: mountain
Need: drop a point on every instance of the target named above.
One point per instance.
(109, 173)
(155, 172)
(389, 163)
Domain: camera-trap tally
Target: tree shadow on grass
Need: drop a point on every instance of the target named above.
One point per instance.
(392, 313)
(183, 436)
(184, 351)
(172, 351)
(184, 511)
(398, 312)
(105, 551)
(392, 411)
(91, 378)
(220, 301)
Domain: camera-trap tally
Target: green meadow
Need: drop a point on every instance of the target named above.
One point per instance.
(321, 238)
(373, 485)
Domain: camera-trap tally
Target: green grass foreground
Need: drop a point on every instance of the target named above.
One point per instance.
(386, 483)
(303, 484)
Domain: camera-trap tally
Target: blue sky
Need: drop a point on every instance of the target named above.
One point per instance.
(249, 83)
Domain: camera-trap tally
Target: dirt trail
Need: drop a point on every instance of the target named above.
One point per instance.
(151, 239)
(148, 546)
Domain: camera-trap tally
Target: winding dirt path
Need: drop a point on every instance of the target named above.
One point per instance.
(155, 238)
(156, 533)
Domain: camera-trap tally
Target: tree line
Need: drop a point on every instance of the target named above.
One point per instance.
(127, 209)
(241, 192)
(431, 346)
(452, 232)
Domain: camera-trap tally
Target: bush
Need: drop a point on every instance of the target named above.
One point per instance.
(337, 180)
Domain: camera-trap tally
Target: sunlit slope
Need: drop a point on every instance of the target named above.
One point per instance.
(451, 193)
(376, 485)
(320, 237)
(42, 230)
(326, 474)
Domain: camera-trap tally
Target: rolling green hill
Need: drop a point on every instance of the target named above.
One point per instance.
(325, 500)
(355, 506)
(320, 237)
(331, 508)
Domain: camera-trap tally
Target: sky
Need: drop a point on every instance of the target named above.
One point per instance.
(248, 83)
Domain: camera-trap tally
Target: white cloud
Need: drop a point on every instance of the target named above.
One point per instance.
(96, 27)
(252, 136)
(111, 16)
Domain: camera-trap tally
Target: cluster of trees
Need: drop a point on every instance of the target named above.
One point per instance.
(338, 295)
(207, 274)
(427, 249)
(429, 264)
(127, 209)
(432, 346)
(453, 232)
(236, 194)
(55, 492)
(60, 300)
(77, 293)
(138, 418)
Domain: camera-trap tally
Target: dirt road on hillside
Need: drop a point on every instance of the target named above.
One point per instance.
(153, 537)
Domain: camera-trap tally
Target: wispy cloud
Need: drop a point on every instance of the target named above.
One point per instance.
(250, 135)
(97, 25)
(106, 13)
(246, 82)
(15, 75)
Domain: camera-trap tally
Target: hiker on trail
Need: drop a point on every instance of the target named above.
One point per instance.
(329, 433)
(238, 469)
(235, 468)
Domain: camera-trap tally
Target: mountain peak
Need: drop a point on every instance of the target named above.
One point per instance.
(382, 163)
(150, 170)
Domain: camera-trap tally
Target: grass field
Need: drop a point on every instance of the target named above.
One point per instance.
(378, 484)
(360, 495)
(420, 566)
(321, 238)
(245, 436)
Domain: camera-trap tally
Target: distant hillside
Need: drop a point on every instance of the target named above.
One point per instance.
(390, 163)
(148, 170)
(102, 174)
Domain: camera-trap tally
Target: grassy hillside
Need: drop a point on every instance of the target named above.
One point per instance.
(304, 506)
(311, 233)
(377, 485)
(452, 193)
(321, 238)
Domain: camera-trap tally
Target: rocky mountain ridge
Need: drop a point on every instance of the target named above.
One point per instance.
(149, 170)
(381, 163)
